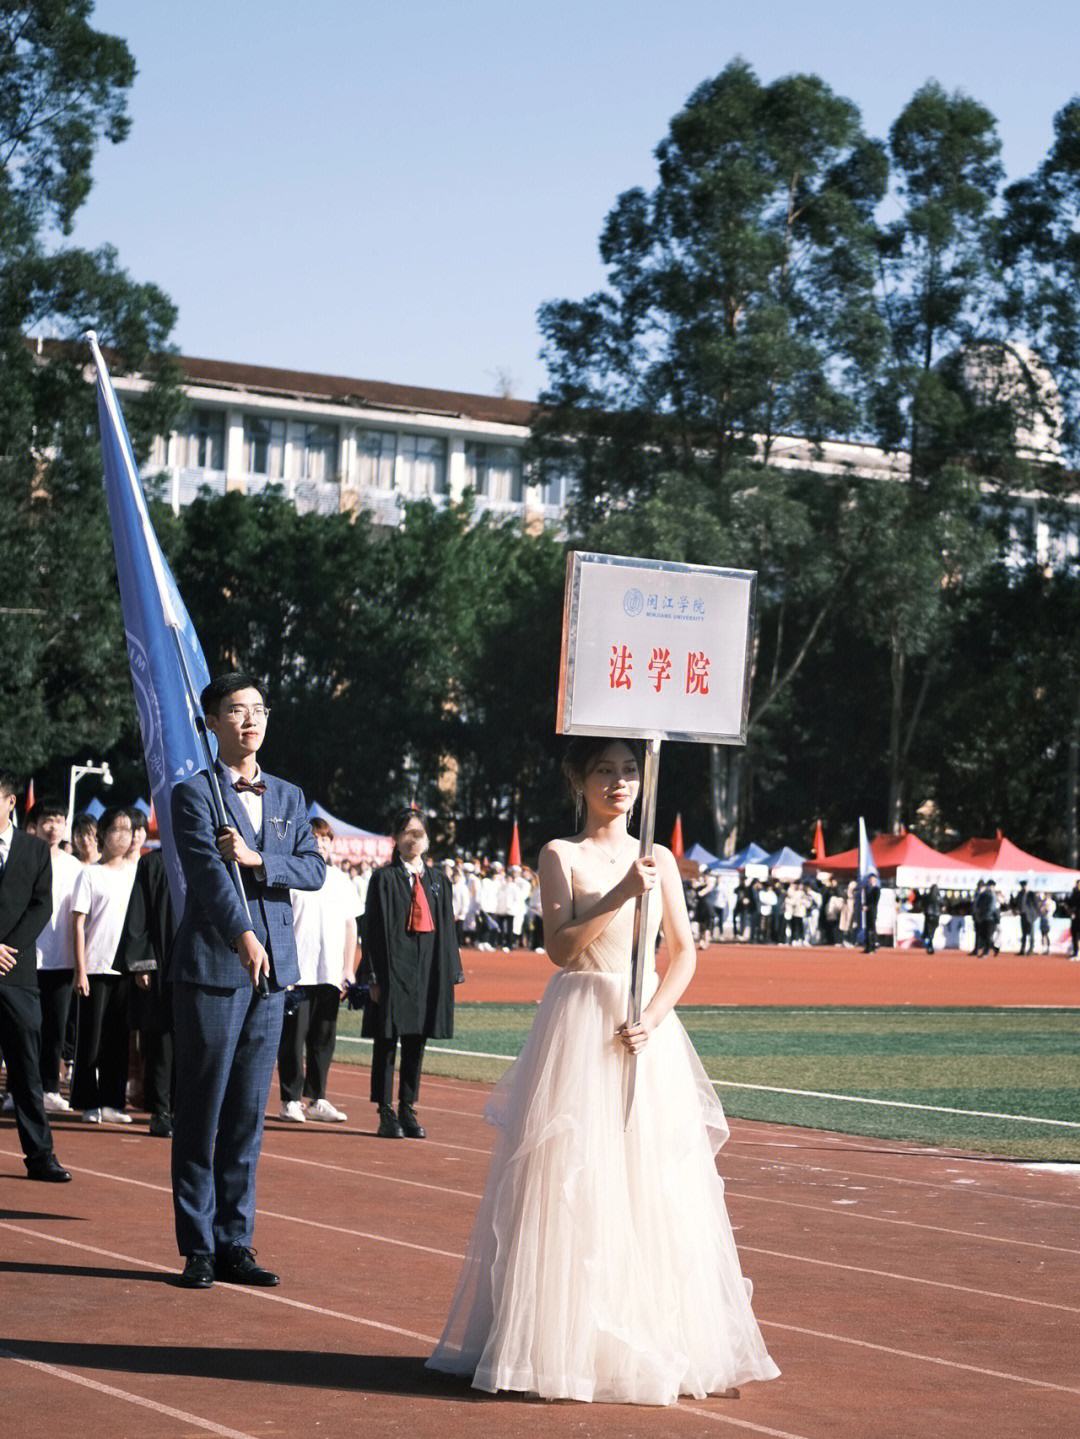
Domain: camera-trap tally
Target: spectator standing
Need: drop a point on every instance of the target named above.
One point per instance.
(149, 929)
(325, 926)
(84, 839)
(411, 962)
(1072, 906)
(99, 908)
(25, 906)
(871, 896)
(1028, 909)
(55, 950)
(931, 917)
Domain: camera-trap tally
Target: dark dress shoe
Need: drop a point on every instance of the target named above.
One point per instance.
(161, 1126)
(236, 1265)
(389, 1126)
(47, 1168)
(198, 1272)
(410, 1125)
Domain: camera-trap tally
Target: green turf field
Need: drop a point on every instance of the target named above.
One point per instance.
(1016, 1062)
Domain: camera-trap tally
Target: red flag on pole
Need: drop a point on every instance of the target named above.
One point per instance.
(819, 841)
(29, 795)
(676, 838)
(514, 857)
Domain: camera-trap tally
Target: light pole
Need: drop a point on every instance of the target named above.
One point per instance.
(78, 772)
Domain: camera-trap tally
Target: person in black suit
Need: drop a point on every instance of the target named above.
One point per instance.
(149, 929)
(25, 910)
(411, 962)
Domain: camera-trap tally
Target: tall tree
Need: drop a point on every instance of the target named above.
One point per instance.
(939, 398)
(63, 89)
(739, 307)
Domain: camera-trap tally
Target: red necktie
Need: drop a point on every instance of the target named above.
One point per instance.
(420, 921)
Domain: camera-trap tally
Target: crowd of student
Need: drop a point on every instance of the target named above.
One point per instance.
(104, 1006)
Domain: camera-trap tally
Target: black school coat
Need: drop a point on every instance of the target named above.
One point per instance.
(415, 972)
(25, 905)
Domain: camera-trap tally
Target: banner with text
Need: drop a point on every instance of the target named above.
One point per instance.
(651, 648)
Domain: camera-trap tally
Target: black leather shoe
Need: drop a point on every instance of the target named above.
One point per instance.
(198, 1272)
(161, 1126)
(410, 1125)
(237, 1266)
(389, 1126)
(48, 1168)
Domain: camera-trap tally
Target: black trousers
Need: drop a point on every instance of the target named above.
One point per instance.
(382, 1068)
(101, 1046)
(54, 987)
(311, 1032)
(157, 1057)
(20, 1041)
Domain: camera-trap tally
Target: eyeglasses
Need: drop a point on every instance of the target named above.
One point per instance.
(253, 712)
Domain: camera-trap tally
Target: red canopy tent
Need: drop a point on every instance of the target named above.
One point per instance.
(905, 858)
(1001, 857)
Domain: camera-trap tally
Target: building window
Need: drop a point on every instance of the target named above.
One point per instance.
(313, 451)
(376, 451)
(202, 445)
(494, 471)
(264, 447)
(423, 465)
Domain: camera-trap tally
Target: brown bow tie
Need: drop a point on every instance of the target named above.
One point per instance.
(256, 787)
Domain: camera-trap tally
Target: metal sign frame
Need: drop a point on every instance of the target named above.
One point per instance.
(576, 564)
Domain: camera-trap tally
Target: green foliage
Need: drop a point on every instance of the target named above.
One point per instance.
(64, 687)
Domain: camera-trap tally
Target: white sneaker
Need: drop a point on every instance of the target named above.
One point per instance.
(293, 1111)
(324, 1110)
(91, 1116)
(55, 1103)
(114, 1116)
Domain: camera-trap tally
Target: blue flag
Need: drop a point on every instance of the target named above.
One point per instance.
(866, 854)
(155, 623)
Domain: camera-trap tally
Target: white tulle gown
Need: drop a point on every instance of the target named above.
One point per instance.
(602, 1264)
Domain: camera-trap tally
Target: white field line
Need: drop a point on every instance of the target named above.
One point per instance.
(56, 1372)
(802, 1093)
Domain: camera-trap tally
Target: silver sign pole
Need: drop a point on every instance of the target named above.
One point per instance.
(641, 929)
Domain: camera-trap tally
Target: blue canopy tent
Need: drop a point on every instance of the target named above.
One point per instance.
(698, 854)
(785, 863)
(751, 854)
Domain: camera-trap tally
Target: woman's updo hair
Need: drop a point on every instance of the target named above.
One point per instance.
(405, 817)
(582, 755)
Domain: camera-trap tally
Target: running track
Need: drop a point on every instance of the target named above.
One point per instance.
(905, 1294)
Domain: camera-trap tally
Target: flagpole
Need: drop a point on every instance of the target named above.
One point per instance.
(172, 623)
(641, 918)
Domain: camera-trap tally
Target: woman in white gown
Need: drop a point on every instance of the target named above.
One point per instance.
(602, 1264)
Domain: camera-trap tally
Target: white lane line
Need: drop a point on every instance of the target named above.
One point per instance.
(369, 1174)
(241, 1289)
(683, 1408)
(469, 1194)
(909, 1279)
(946, 1184)
(901, 1223)
(921, 1358)
(265, 1294)
(56, 1372)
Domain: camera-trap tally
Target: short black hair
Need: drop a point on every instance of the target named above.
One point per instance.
(83, 821)
(219, 690)
(46, 808)
(138, 819)
(108, 817)
(10, 783)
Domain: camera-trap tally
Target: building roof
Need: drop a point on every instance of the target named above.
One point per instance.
(374, 394)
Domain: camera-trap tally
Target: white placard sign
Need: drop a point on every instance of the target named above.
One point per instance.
(659, 649)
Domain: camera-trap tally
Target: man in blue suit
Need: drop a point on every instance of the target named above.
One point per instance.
(228, 970)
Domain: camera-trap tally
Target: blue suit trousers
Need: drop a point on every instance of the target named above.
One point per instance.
(226, 1042)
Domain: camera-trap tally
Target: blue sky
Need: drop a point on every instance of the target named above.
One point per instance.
(389, 191)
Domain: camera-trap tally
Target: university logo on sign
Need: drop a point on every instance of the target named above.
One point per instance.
(655, 649)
